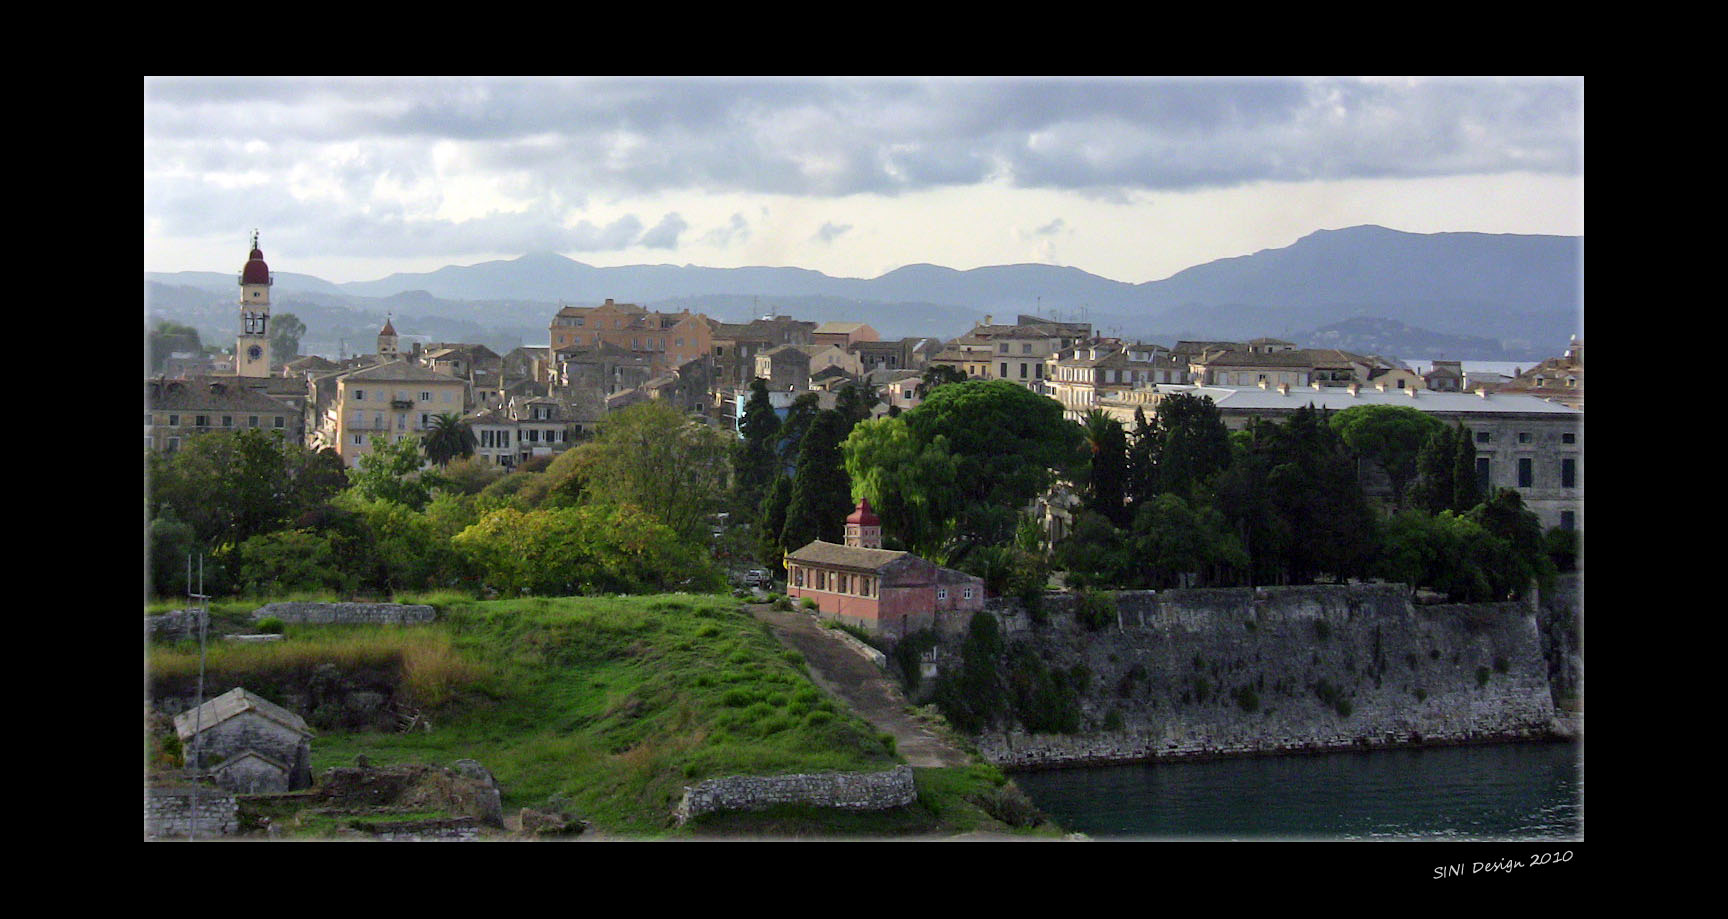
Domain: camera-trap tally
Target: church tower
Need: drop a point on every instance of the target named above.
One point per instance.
(252, 349)
(389, 345)
(862, 527)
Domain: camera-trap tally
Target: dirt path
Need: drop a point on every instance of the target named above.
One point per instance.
(853, 679)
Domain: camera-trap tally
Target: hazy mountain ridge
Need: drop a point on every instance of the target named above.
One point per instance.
(1524, 293)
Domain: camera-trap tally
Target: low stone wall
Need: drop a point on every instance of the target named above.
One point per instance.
(174, 625)
(452, 829)
(171, 813)
(864, 791)
(346, 613)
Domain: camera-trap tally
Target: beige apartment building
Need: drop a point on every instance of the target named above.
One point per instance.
(385, 402)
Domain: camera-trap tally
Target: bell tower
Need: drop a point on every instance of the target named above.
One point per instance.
(863, 529)
(389, 343)
(252, 348)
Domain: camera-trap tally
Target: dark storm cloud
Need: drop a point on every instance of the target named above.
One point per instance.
(363, 165)
(847, 136)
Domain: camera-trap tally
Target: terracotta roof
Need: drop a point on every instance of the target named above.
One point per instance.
(864, 516)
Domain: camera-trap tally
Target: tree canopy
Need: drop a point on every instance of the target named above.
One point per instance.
(961, 465)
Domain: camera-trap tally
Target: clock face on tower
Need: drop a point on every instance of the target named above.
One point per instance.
(254, 352)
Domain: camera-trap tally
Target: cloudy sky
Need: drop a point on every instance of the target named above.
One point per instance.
(1132, 179)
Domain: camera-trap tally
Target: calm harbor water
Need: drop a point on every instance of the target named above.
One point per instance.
(1491, 792)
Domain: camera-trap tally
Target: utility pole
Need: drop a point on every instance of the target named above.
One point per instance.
(198, 713)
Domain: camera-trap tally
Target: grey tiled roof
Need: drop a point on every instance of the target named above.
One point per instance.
(400, 371)
(827, 553)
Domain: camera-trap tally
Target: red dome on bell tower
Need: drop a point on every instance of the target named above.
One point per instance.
(863, 515)
(255, 272)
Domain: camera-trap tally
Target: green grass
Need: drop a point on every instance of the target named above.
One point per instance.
(608, 707)
(611, 704)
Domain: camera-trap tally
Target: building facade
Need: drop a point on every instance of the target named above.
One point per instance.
(178, 410)
(384, 402)
(883, 591)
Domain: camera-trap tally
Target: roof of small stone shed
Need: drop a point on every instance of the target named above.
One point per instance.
(231, 704)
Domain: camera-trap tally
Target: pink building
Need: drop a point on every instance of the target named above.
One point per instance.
(884, 591)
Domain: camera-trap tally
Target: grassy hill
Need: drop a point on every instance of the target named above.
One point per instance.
(605, 708)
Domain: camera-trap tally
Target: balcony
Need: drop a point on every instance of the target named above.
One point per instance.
(402, 405)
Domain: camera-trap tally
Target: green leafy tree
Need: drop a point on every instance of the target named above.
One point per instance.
(913, 488)
(470, 475)
(1007, 443)
(1506, 518)
(1389, 436)
(939, 375)
(1172, 538)
(392, 471)
(448, 438)
(1443, 552)
(1095, 553)
(291, 561)
(286, 330)
(222, 489)
(582, 550)
(651, 457)
(167, 337)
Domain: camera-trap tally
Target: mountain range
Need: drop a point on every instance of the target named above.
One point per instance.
(1482, 296)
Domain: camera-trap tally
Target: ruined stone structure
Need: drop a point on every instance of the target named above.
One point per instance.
(864, 791)
(250, 745)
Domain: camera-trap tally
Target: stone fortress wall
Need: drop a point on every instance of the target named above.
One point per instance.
(1197, 673)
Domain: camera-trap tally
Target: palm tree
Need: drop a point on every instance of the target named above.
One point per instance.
(448, 438)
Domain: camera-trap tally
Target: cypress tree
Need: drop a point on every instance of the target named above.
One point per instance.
(754, 462)
(1466, 487)
(1433, 489)
(821, 490)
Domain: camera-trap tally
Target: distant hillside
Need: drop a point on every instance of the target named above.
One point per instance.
(1523, 294)
(1393, 339)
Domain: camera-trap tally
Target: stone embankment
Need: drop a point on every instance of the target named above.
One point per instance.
(1200, 673)
(867, 791)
